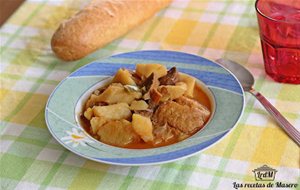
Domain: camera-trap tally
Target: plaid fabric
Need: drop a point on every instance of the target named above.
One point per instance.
(32, 159)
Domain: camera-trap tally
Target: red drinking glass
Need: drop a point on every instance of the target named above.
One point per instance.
(279, 24)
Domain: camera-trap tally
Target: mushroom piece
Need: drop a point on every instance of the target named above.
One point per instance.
(171, 78)
(150, 84)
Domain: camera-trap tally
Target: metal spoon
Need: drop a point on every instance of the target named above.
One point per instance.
(247, 80)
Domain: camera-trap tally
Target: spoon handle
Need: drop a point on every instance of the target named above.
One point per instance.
(284, 124)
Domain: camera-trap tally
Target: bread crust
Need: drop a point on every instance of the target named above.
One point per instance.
(99, 23)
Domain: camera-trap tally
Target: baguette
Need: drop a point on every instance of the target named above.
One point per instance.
(99, 23)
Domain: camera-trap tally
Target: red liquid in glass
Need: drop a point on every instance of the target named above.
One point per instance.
(280, 39)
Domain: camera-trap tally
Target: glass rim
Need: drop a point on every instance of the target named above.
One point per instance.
(270, 18)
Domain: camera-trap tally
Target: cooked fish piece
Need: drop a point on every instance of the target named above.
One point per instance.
(187, 119)
(193, 104)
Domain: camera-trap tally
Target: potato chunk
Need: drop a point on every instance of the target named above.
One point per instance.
(190, 82)
(138, 105)
(88, 113)
(91, 101)
(118, 133)
(96, 123)
(115, 111)
(116, 93)
(143, 127)
(124, 77)
(171, 92)
(146, 69)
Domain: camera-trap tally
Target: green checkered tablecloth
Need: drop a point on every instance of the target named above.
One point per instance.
(31, 159)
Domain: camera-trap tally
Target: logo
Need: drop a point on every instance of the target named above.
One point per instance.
(264, 177)
(264, 173)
